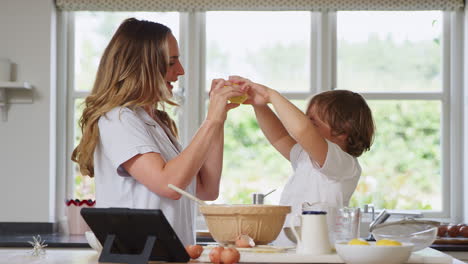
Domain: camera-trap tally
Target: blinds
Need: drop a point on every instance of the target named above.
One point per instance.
(255, 5)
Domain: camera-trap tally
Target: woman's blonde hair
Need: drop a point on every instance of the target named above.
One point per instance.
(131, 74)
(347, 113)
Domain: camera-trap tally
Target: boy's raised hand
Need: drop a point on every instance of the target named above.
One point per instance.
(258, 94)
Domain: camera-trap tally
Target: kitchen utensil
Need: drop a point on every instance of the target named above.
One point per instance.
(186, 194)
(380, 219)
(419, 232)
(259, 197)
(314, 233)
(289, 234)
(75, 223)
(262, 223)
(347, 223)
(371, 254)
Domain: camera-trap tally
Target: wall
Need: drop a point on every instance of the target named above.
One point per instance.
(465, 113)
(27, 138)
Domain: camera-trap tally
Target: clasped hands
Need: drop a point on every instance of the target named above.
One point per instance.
(228, 94)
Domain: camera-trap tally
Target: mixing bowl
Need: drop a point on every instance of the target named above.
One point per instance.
(421, 233)
(262, 223)
(372, 254)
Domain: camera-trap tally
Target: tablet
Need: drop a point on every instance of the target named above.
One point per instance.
(134, 235)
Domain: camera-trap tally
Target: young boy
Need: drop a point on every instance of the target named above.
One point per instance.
(322, 145)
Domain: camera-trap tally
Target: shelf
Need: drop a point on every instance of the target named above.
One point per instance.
(15, 85)
(4, 87)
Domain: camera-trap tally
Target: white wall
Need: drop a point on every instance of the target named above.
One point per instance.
(465, 112)
(27, 138)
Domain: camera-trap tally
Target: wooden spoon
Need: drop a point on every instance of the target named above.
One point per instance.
(186, 194)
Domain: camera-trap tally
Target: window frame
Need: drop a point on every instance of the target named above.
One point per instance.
(323, 61)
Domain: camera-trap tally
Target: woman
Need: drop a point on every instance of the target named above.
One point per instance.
(130, 143)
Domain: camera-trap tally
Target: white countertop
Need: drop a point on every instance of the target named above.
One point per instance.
(61, 256)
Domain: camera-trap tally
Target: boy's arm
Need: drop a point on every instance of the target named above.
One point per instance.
(273, 129)
(299, 126)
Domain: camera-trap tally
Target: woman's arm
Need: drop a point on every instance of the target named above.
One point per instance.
(210, 173)
(150, 168)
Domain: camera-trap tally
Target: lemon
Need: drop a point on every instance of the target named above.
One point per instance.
(238, 99)
(357, 241)
(387, 242)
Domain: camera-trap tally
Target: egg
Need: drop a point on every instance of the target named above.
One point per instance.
(238, 99)
(215, 254)
(464, 231)
(442, 230)
(244, 241)
(387, 242)
(453, 230)
(194, 251)
(357, 241)
(230, 256)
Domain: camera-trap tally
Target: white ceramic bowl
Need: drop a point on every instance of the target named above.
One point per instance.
(421, 236)
(362, 254)
(93, 241)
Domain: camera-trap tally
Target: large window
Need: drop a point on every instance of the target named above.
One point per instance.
(262, 47)
(397, 65)
(401, 64)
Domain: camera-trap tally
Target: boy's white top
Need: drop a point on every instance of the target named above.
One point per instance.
(332, 184)
(123, 134)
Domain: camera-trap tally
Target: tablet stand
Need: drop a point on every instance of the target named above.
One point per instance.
(143, 258)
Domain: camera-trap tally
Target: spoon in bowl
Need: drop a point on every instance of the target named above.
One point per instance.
(186, 194)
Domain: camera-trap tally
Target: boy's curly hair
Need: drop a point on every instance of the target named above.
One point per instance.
(346, 112)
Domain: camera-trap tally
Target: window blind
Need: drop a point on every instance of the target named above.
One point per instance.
(256, 5)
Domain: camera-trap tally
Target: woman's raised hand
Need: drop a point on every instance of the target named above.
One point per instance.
(258, 94)
(221, 91)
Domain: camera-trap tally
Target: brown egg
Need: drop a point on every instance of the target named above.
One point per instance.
(442, 230)
(244, 241)
(453, 230)
(464, 231)
(215, 254)
(194, 251)
(230, 256)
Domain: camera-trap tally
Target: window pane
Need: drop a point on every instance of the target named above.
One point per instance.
(260, 45)
(389, 51)
(251, 164)
(93, 31)
(403, 168)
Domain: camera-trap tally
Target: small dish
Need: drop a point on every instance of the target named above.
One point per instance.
(371, 254)
(93, 241)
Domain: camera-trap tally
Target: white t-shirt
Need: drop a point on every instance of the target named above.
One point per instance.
(333, 184)
(124, 133)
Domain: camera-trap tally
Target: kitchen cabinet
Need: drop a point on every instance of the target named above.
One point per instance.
(62, 255)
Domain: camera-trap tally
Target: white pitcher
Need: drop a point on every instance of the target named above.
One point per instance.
(314, 233)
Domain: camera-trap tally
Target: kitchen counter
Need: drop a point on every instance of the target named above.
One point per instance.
(52, 240)
(59, 256)
(58, 240)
